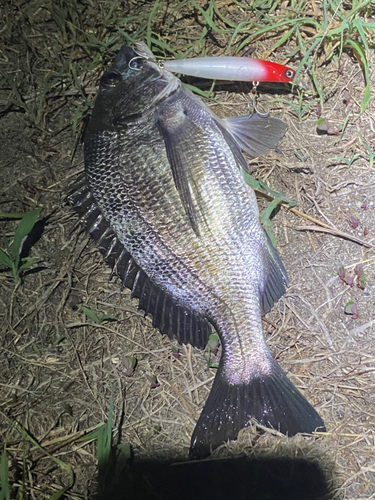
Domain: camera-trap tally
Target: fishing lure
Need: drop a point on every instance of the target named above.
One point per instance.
(237, 69)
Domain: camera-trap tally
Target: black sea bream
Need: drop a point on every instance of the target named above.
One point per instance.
(165, 198)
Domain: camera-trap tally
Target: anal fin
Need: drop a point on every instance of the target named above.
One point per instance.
(170, 318)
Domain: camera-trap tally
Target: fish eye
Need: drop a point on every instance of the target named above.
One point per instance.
(289, 73)
(111, 79)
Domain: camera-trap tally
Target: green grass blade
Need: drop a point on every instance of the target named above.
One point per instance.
(149, 22)
(67, 467)
(110, 11)
(273, 7)
(127, 38)
(165, 47)
(5, 259)
(207, 15)
(91, 436)
(359, 8)
(239, 29)
(343, 128)
(369, 26)
(4, 477)
(27, 262)
(361, 56)
(58, 494)
(200, 92)
(307, 55)
(358, 25)
(283, 39)
(105, 441)
(105, 458)
(90, 314)
(225, 20)
(24, 227)
(26, 435)
(289, 22)
(7, 215)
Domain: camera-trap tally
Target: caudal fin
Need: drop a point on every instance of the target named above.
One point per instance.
(270, 398)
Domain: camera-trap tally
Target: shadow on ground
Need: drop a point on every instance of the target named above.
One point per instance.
(218, 479)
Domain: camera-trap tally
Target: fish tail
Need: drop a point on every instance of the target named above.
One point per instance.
(270, 398)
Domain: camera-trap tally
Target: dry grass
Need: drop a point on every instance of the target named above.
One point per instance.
(59, 370)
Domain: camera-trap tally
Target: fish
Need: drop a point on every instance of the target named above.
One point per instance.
(238, 69)
(164, 197)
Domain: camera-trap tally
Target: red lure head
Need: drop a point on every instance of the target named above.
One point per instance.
(277, 72)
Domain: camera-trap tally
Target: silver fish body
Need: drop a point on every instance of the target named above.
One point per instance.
(165, 177)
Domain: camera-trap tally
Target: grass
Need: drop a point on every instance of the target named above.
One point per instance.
(321, 38)
(4, 472)
(313, 37)
(11, 257)
(111, 458)
(4, 476)
(99, 320)
(278, 198)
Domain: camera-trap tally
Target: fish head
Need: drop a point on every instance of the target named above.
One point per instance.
(132, 87)
(129, 65)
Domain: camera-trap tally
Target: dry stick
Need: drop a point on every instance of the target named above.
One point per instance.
(322, 325)
(325, 228)
(181, 399)
(334, 232)
(318, 209)
(316, 316)
(57, 443)
(361, 328)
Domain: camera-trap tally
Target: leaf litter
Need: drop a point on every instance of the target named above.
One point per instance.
(61, 369)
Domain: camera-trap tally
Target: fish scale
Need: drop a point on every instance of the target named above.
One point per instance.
(164, 174)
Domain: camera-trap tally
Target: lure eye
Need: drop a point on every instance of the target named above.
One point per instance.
(111, 79)
(289, 73)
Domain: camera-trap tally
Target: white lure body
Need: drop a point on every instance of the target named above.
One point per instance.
(231, 68)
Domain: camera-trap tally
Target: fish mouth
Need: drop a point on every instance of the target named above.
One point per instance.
(127, 58)
(127, 53)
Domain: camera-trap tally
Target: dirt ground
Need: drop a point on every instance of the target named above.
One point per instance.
(59, 370)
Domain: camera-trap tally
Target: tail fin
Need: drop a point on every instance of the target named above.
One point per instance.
(270, 398)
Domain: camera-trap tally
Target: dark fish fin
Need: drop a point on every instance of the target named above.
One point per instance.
(276, 278)
(80, 196)
(271, 399)
(178, 131)
(170, 318)
(256, 134)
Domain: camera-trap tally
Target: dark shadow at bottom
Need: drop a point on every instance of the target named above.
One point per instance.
(238, 479)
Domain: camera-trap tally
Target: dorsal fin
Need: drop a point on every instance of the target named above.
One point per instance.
(256, 134)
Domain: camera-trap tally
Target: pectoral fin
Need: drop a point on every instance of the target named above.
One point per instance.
(184, 145)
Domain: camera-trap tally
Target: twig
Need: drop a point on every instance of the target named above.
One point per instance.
(325, 228)
(361, 328)
(334, 232)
